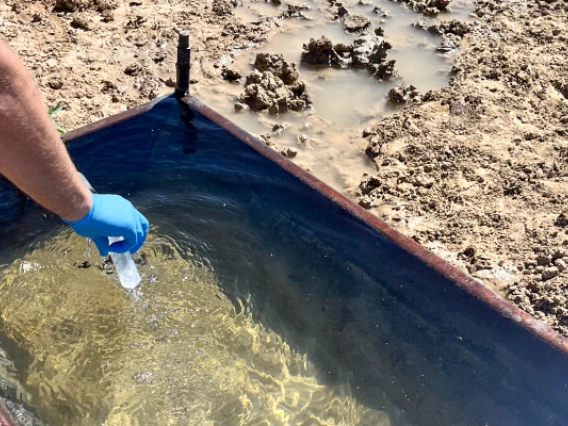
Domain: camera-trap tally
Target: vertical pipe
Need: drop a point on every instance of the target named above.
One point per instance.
(183, 64)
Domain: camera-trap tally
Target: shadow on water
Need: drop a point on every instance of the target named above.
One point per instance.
(377, 323)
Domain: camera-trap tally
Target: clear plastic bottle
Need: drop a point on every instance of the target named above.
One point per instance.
(125, 267)
(123, 263)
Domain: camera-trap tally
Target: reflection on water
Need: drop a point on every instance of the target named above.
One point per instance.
(345, 101)
(174, 352)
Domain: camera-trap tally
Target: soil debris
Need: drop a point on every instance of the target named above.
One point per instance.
(322, 52)
(381, 12)
(561, 220)
(367, 52)
(402, 94)
(296, 11)
(452, 33)
(338, 9)
(426, 7)
(274, 85)
(82, 5)
(238, 35)
(356, 23)
(221, 7)
(231, 74)
(81, 21)
(289, 152)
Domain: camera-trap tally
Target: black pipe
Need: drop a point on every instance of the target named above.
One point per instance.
(183, 65)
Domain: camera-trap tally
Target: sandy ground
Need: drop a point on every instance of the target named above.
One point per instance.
(474, 171)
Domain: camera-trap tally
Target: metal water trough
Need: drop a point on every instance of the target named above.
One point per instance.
(442, 348)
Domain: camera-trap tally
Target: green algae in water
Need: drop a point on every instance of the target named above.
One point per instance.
(175, 352)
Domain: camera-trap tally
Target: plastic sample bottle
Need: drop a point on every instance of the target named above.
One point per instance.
(125, 267)
(123, 263)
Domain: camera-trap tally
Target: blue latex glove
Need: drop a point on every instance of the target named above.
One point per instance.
(113, 216)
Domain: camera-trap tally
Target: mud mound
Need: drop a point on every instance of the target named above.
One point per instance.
(356, 23)
(427, 7)
(274, 85)
(452, 33)
(402, 93)
(295, 11)
(81, 5)
(367, 52)
(323, 52)
(223, 7)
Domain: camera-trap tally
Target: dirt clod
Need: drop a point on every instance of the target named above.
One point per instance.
(561, 220)
(290, 152)
(222, 7)
(296, 11)
(356, 23)
(82, 5)
(549, 273)
(240, 107)
(427, 7)
(402, 93)
(82, 22)
(231, 74)
(367, 52)
(274, 85)
(321, 52)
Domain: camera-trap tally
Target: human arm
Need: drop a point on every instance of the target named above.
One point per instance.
(32, 154)
(35, 159)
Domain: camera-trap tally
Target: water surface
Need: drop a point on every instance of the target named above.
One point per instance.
(263, 302)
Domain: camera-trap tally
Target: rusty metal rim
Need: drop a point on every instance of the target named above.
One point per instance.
(474, 287)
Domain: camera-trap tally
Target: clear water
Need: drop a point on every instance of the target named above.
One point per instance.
(174, 352)
(263, 303)
(194, 344)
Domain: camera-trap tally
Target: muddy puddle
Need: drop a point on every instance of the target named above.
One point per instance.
(345, 101)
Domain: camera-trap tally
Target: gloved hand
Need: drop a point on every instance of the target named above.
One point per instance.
(113, 216)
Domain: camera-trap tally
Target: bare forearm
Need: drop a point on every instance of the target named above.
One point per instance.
(32, 155)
